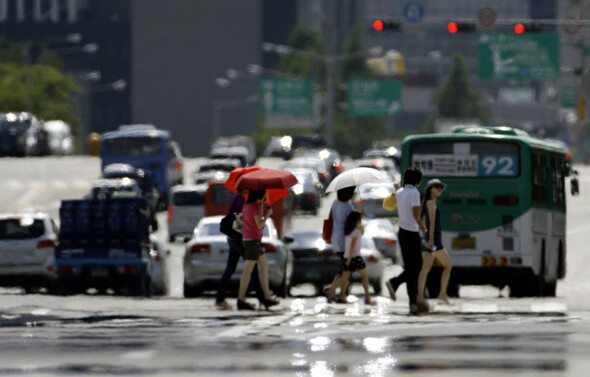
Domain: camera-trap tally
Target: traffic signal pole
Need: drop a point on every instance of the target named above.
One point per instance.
(583, 147)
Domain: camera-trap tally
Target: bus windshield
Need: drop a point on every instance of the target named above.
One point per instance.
(133, 146)
(466, 158)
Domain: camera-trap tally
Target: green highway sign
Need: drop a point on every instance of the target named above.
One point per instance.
(286, 97)
(374, 97)
(528, 56)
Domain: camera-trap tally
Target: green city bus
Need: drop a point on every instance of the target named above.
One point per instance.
(504, 209)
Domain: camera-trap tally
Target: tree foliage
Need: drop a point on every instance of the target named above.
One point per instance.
(50, 89)
(456, 98)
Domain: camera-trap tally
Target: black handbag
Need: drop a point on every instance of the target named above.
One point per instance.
(226, 226)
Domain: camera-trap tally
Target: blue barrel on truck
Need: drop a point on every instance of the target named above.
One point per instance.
(104, 244)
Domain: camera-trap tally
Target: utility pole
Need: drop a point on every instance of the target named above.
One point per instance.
(583, 147)
(330, 16)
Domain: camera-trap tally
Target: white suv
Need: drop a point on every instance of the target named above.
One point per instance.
(186, 208)
(27, 251)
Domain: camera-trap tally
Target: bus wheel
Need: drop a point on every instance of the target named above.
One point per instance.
(540, 279)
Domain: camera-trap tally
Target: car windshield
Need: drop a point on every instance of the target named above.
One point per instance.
(133, 146)
(188, 198)
(23, 228)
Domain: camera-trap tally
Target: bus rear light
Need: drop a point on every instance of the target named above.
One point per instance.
(505, 200)
(170, 214)
(128, 269)
(200, 248)
(269, 247)
(45, 244)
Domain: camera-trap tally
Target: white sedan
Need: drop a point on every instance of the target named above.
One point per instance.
(206, 255)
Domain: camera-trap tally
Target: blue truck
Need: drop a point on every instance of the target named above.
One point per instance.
(103, 244)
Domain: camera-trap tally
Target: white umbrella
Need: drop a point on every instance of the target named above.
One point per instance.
(355, 177)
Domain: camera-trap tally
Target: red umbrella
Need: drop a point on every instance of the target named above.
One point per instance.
(275, 182)
(238, 172)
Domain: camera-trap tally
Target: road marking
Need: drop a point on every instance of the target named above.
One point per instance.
(256, 326)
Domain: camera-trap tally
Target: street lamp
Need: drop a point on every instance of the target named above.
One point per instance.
(329, 60)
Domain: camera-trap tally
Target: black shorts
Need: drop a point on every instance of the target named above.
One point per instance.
(356, 263)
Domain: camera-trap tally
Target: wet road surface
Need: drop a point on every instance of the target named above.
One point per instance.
(104, 335)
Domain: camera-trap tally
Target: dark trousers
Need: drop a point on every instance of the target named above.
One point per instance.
(236, 251)
(409, 243)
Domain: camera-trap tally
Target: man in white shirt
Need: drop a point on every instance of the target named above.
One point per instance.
(408, 209)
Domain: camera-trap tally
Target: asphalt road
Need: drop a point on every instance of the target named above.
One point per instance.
(482, 333)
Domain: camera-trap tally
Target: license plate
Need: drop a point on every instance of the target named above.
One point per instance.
(99, 272)
(460, 243)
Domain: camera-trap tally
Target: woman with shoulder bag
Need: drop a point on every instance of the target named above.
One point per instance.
(254, 216)
(236, 250)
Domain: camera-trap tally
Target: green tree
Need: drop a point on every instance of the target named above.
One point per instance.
(456, 98)
(50, 89)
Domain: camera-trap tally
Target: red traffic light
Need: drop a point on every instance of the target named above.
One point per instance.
(378, 25)
(519, 28)
(452, 27)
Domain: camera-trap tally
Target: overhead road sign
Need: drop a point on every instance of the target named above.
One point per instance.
(380, 97)
(413, 12)
(528, 56)
(286, 97)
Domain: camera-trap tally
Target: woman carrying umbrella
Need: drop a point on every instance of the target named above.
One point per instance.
(254, 216)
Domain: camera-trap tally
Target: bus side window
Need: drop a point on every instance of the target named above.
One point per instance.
(539, 172)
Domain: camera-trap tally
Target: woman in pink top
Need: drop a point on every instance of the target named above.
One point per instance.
(254, 216)
(353, 261)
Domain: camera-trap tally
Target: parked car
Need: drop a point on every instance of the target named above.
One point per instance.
(285, 146)
(383, 164)
(177, 174)
(27, 251)
(202, 178)
(307, 192)
(237, 141)
(158, 257)
(314, 261)
(21, 135)
(59, 137)
(239, 152)
(215, 169)
(145, 180)
(329, 155)
(186, 208)
(314, 163)
(390, 152)
(383, 234)
(206, 252)
(370, 196)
